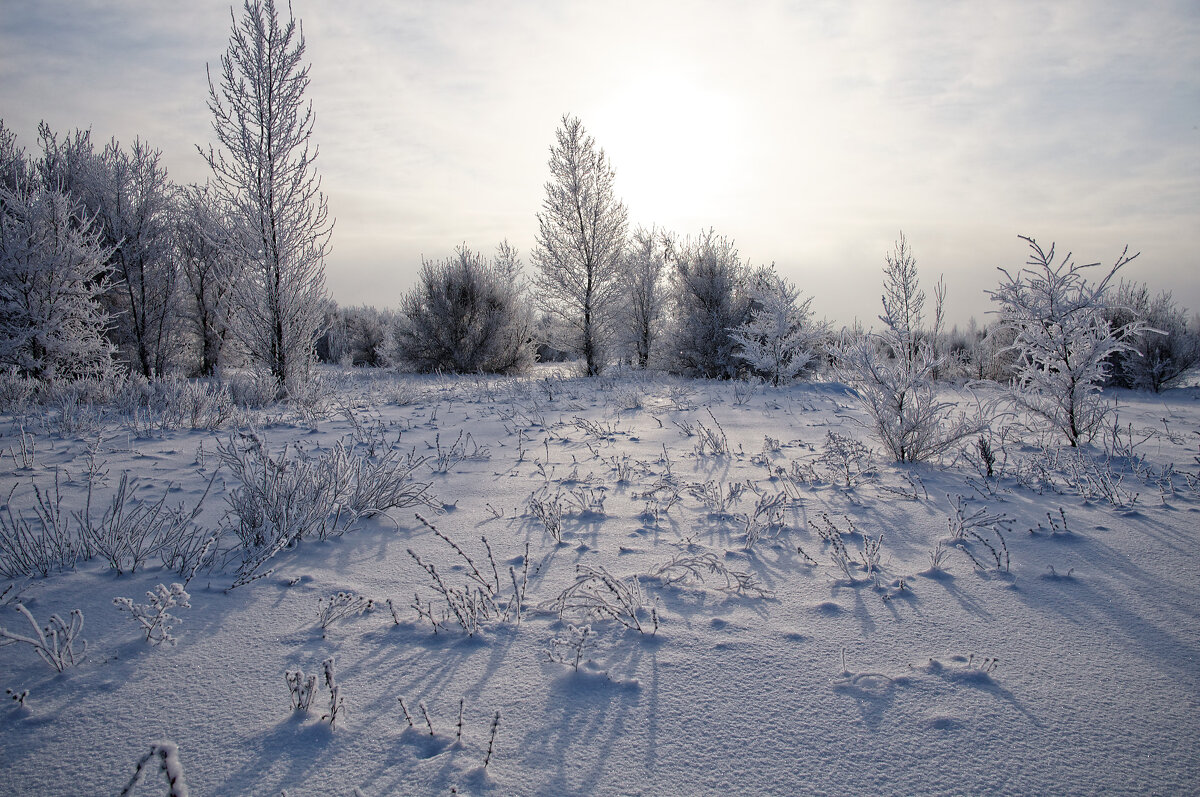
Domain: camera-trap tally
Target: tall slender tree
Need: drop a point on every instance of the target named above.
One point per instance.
(581, 236)
(265, 172)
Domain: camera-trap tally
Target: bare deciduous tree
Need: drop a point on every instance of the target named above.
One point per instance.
(206, 258)
(644, 292)
(265, 172)
(581, 236)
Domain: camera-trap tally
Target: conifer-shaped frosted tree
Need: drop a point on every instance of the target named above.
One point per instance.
(265, 172)
(893, 370)
(581, 236)
(1062, 338)
(779, 341)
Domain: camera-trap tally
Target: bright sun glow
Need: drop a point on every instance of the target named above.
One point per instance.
(675, 146)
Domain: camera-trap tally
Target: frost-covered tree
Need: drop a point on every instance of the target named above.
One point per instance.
(128, 196)
(14, 166)
(466, 316)
(893, 370)
(581, 236)
(644, 293)
(205, 256)
(131, 198)
(53, 270)
(709, 300)
(780, 340)
(265, 172)
(1062, 339)
(1159, 355)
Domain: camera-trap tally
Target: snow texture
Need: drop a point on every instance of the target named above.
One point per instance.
(762, 665)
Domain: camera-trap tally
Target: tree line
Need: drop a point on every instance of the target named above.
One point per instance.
(105, 264)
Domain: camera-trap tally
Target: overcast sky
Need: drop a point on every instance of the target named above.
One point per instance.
(811, 133)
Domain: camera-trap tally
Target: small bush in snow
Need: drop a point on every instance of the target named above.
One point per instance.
(42, 544)
(1063, 340)
(301, 688)
(779, 341)
(282, 499)
(685, 568)
(569, 649)
(483, 599)
(983, 527)
(596, 593)
(167, 755)
(894, 371)
(337, 703)
(154, 617)
(341, 606)
(844, 460)
(55, 643)
(464, 316)
(1160, 354)
(131, 530)
(709, 301)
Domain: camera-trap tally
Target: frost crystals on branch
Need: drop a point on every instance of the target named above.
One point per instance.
(154, 617)
(56, 642)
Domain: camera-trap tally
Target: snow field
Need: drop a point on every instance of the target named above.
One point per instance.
(1072, 672)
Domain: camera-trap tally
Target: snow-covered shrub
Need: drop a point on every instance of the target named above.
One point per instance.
(980, 526)
(337, 703)
(1162, 352)
(569, 649)
(341, 606)
(281, 499)
(173, 402)
(301, 688)
(711, 440)
(168, 763)
(464, 316)
(483, 599)
(708, 301)
(132, 530)
(154, 617)
(55, 643)
(844, 460)
(779, 341)
(53, 272)
(686, 568)
(250, 389)
(893, 371)
(359, 336)
(548, 510)
(767, 518)
(42, 544)
(1063, 340)
(598, 594)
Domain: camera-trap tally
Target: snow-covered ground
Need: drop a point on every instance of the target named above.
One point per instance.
(1054, 650)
